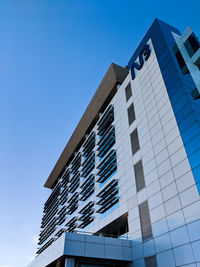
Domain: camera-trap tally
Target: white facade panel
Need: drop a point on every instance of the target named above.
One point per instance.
(156, 189)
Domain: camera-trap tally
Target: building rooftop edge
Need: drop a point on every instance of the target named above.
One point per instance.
(157, 23)
(114, 75)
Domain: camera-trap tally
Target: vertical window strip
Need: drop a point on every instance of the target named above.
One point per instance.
(150, 261)
(139, 176)
(128, 92)
(131, 114)
(134, 141)
(145, 221)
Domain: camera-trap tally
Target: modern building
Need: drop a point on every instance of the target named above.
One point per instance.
(125, 190)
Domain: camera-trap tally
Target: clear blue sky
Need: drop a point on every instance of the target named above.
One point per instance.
(53, 55)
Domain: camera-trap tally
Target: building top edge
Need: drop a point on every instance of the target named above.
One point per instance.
(158, 26)
(115, 75)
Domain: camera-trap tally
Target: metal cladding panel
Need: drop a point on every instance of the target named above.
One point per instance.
(115, 75)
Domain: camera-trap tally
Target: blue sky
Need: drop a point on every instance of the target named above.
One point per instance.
(53, 55)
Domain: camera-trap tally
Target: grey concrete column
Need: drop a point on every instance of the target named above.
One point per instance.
(69, 262)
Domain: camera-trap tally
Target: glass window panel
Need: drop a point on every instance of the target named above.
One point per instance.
(131, 114)
(139, 175)
(187, 122)
(177, 105)
(196, 173)
(194, 159)
(193, 145)
(190, 133)
(151, 261)
(145, 220)
(182, 113)
(177, 94)
(128, 91)
(134, 141)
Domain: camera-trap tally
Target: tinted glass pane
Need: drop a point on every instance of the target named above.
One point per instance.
(198, 187)
(190, 133)
(177, 94)
(151, 261)
(128, 92)
(196, 173)
(134, 141)
(181, 61)
(180, 103)
(194, 42)
(193, 145)
(194, 159)
(183, 112)
(189, 48)
(139, 175)
(131, 114)
(195, 94)
(145, 220)
(187, 122)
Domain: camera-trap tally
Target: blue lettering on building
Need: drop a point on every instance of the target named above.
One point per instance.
(144, 55)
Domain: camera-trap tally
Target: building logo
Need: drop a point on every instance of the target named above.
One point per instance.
(144, 55)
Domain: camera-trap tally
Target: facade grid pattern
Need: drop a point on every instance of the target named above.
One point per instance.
(137, 173)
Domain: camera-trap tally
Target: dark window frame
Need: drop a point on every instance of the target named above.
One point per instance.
(128, 91)
(135, 144)
(150, 261)
(139, 175)
(145, 221)
(131, 114)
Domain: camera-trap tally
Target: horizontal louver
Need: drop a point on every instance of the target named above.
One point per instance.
(105, 120)
(88, 164)
(106, 142)
(76, 163)
(72, 224)
(62, 214)
(87, 188)
(87, 215)
(74, 182)
(89, 145)
(107, 167)
(65, 178)
(45, 246)
(72, 204)
(108, 197)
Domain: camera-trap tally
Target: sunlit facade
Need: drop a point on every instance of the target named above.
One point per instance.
(125, 190)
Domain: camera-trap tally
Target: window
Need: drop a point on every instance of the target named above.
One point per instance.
(86, 215)
(180, 60)
(108, 197)
(107, 167)
(151, 261)
(195, 94)
(134, 141)
(131, 114)
(145, 221)
(139, 175)
(116, 228)
(128, 92)
(192, 44)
